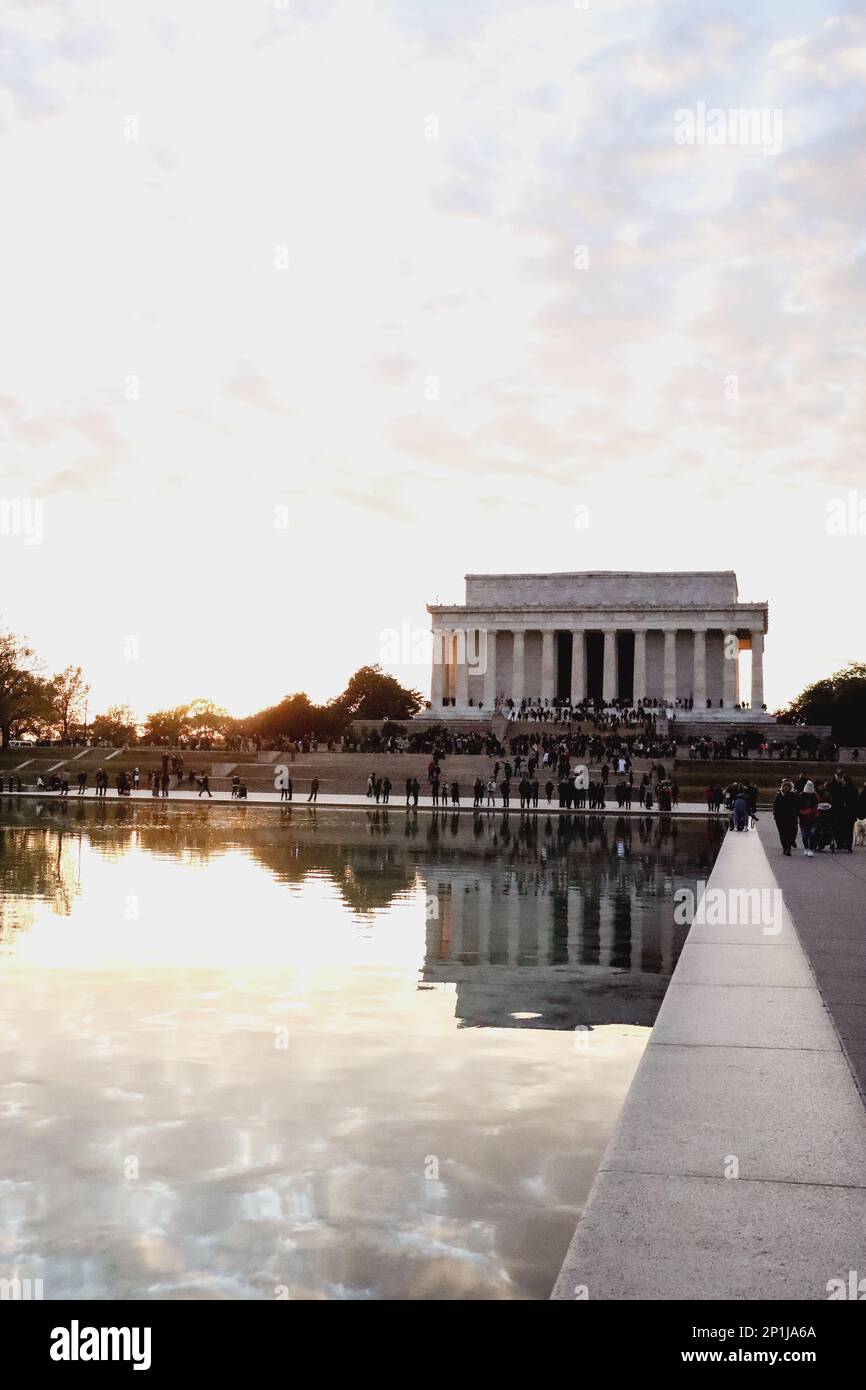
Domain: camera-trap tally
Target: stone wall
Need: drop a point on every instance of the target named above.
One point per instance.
(611, 587)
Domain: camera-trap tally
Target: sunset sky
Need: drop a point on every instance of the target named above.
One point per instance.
(308, 309)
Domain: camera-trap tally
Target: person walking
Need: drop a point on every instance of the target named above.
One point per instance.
(286, 789)
(82, 782)
(314, 790)
(204, 785)
(408, 790)
(786, 815)
(807, 812)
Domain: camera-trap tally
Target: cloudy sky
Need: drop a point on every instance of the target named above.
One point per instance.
(310, 308)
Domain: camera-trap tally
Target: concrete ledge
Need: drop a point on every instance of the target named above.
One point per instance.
(358, 802)
(738, 1167)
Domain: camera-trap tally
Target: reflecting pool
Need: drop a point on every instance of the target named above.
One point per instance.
(250, 1053)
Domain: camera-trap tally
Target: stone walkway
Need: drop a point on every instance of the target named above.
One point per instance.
(826, 898)
(351, 801)
(738, 1166)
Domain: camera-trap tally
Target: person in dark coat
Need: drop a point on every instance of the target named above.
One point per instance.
(786, 808)
(843, 799)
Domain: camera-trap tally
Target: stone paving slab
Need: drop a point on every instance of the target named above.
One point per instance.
(821, 1139)
(708, 1238)
(724, 1015)
(747, 963)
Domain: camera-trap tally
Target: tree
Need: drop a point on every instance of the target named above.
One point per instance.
(69, 700)
(25, 695)
(294, 717)
(840, 701)
(371, 694)
(206, 720)
(116, 726)
(167, 727)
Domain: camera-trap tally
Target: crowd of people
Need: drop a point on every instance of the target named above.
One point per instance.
(827, 816)
(520, 779)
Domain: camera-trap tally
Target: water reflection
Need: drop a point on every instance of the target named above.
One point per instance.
(325, 1053)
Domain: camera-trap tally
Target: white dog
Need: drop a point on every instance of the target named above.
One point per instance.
(860, 831)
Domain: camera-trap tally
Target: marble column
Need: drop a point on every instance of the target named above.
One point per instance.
(462, 667)
(437, 670)
(578, 667)
(609, 680)
(757, 695)
(548, 662)
(447, 663)
(639, 681)
(490, 669)
(670, 678)
(699, 675)
(518, 686)
(731, 670)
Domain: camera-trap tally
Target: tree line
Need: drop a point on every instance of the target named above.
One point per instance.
(34, 704)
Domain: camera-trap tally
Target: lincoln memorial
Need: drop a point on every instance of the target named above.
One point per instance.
(605, 635)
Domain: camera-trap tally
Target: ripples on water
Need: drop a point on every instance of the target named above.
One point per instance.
(318, 1054)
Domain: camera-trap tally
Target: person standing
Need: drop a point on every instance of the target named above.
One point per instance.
(786, 815)
(165, 781)
(314, 790)
(843, 798)
(82, 782)
(386, 790)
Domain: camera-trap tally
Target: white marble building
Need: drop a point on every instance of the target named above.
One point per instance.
(603, 634)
